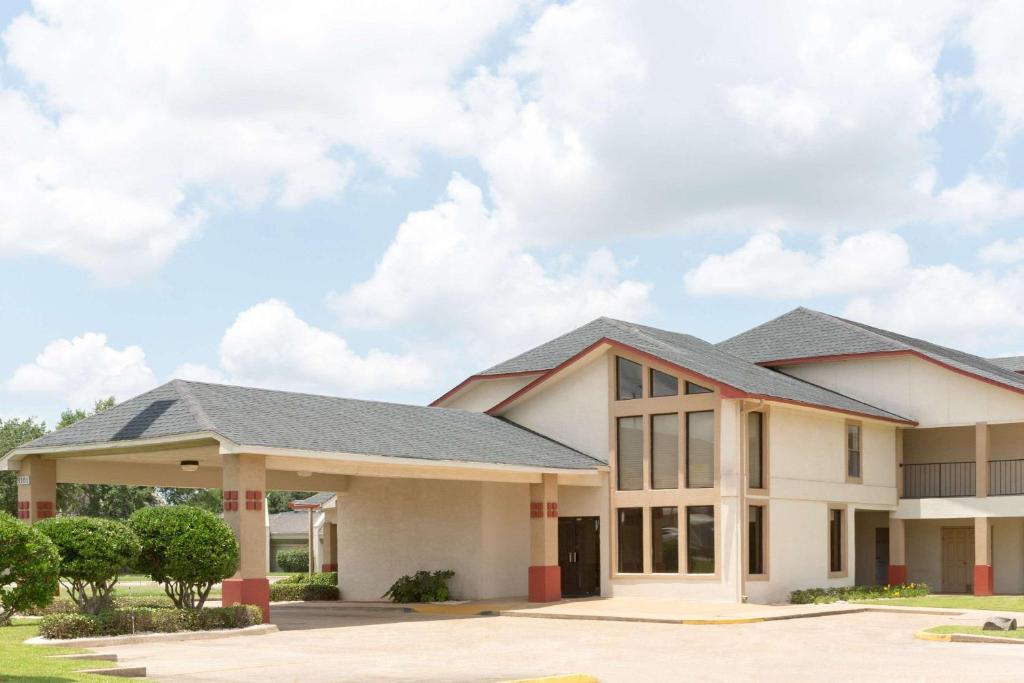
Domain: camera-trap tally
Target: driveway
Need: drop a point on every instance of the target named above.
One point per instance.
(334, 645)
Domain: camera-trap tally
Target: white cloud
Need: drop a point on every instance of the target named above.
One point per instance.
(950, 305)
(1002, 251)
(993, 33)
(81, 370)
(186, 108)
(616, 117)
(268, 345)
(457, 270)
(763, 267)
(977, 202)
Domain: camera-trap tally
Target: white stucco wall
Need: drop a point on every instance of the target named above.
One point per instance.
(391, 527)
(572, 409)
(865, 525)
(484, 394)
(915, 388)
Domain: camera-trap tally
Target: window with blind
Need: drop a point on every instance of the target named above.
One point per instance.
(663, 385)
(665, 451)
(755, 450)
(700, 449)
(630, 453)
(755, 539)
(853, 451)
(665, 540)
(700, 539)
(629, 378)
(631, 540)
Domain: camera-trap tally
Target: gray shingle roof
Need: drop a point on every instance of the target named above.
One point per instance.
(1011, 363)
(262, 417)
(289, 523)
(316, 499)
(692, 354)
(804, 333)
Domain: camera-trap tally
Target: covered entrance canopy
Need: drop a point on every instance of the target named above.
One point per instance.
(247, 441)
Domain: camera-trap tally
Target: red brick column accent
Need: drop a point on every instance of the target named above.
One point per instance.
(545, 584)
(247, 592)
(544, 574)
(897, 574)
(983, 579)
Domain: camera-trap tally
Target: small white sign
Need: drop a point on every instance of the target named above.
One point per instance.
(23, 480)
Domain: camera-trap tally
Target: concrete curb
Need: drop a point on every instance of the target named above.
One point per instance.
(564, 678)
(104, 641)
(723, 621)
(966, 638)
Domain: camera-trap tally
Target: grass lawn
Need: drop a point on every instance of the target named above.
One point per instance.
(26, 663)
(976, 631)
(1004, 603)
(152, 588)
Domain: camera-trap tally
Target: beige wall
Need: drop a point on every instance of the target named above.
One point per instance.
(1006, 441)
(391, 527)
(866, 522)
(941, 444)
(924, 551)
(915, 388)
(573, 409)
(485, 394)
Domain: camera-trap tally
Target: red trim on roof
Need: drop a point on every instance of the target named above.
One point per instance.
(726, 390)
(903, 352)
(472, 378)
(298, 505)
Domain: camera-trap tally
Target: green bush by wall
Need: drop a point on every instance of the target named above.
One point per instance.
(293, 560)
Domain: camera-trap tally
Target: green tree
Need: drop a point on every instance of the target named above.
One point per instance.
(29, 565)
(210, 500)
(99, 500)
(13, 433)
(277, 501)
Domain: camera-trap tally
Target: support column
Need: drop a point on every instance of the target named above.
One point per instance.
(311, 542)
(981, 455)
(245, 479)
(897, 551)
(983, 576)
(545, 578)
(37, 489)
(330, 555)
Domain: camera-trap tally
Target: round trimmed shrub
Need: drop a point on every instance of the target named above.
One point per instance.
(29, 565)
(92, 552)
(186, 549)
(293, 560)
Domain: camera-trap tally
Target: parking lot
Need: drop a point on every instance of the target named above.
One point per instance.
(330, 644)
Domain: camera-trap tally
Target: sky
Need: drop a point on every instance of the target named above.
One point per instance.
(377, 199)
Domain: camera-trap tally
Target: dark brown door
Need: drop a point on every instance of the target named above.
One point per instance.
(579, 555)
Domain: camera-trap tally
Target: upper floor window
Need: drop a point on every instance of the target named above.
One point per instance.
(692, 388)
(629, 379)
(853, 454)
(755, 450)
(700, 449)
(630, 453)
(663, 384)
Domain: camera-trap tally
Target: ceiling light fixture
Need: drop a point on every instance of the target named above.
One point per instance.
(189, 465)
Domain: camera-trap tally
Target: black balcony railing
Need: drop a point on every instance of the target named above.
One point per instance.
(939, 480)
(1005, 477)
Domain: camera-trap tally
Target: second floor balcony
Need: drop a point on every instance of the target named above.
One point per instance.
(959, 479)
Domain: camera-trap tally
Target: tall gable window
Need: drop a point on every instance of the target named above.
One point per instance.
(629, 376)
(755, 450)
(665, 451)
(692, 388)
(853, 454)
(700, 539)
(700, 449)
(630, 453)
(663, 384)
(836, 540)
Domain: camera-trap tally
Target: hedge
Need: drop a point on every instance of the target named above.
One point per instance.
(321, 578)
(282, 592)
(293, 560)
(64, 605)
(186, 550)
(827, 595)
(148, 620)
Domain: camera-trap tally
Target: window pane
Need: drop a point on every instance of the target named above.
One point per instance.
(665, 540)
(692, 388)
(700, 539)
(665, 451)
(630, 453)
(700, 449)
(853, 450)
(631, 540)
(755, 451)
(835, 541)
(755, 540)
(663, 385)
(630, 379)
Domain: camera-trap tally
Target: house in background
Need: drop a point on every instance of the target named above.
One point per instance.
(288, 531)
(618, 460)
